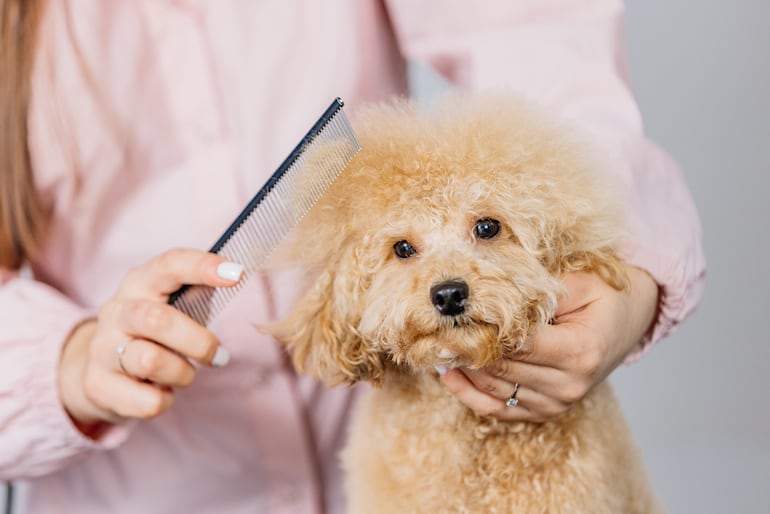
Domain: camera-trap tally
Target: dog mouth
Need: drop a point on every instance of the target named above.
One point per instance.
(482, 332)
(456, 322)
(461, 341)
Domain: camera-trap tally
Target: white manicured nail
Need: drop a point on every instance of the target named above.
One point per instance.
(221, 358)
(441, 369)
(230, 271)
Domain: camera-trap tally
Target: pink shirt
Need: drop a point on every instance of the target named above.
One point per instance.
(154, 121)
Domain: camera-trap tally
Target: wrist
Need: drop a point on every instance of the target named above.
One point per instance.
(645, 302)
(72, 366)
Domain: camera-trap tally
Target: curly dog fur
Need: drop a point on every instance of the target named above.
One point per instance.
(427, 180)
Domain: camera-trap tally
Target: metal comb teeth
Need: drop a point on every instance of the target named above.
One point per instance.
(298, 183)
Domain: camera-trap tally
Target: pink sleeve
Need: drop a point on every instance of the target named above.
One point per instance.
(37, 434)
(569, 56)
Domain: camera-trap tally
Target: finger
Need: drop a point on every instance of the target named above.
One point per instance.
(552, 345)
(147, 360)
(464, 390)
(166, 273)
(535, 401)
(496, 386)
(531, 407)
(121, 397)
(169, 327)
(549, 381)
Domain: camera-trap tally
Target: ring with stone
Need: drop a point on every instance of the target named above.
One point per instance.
(121, 350)
(512, 400)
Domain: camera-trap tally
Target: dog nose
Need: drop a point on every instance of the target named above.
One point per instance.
(449, 297)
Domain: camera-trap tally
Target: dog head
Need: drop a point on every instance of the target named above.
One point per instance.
(444, 240)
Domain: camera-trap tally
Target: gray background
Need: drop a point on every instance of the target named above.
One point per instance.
(698, 403)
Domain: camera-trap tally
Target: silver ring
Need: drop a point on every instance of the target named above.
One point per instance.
(512, 400)
(121, 350)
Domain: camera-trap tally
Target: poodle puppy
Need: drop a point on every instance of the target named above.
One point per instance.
(442, 244)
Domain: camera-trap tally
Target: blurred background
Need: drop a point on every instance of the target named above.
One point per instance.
(699, 403)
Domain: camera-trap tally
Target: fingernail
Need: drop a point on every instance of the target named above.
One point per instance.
(221, 358)
(230, 271)
(441, 370)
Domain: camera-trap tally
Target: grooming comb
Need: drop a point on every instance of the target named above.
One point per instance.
(298, 183)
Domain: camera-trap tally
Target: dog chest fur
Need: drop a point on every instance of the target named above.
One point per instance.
(415, 448)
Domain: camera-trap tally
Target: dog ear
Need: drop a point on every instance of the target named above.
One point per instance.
(585, 241)
(604, 262)
(321, 331)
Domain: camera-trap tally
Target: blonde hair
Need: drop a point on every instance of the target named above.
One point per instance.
(22, 223)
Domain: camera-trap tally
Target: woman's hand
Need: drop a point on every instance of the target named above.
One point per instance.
(98, 386)
(595, 328)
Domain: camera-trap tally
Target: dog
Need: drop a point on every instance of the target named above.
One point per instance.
(443, 244)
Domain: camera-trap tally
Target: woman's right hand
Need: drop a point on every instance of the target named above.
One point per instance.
(98, 388)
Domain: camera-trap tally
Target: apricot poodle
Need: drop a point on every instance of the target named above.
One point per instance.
(442, 244)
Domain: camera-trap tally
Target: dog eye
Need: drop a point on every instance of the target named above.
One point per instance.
(486, 228)
(404, 249)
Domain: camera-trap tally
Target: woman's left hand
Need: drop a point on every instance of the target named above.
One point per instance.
(595, 329)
